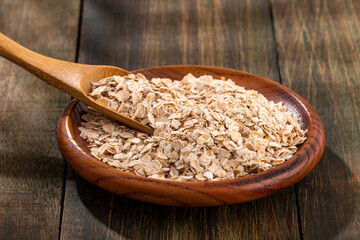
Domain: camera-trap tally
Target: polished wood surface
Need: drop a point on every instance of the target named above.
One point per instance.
(31, 167)
(73, 78)
(311, 46)
(176, 193)
(319, 55)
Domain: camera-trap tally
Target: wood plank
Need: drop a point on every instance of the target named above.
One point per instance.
(139, 34)
(31, 167)
(319, 54)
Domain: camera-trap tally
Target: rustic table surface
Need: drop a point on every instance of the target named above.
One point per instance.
(311, 46)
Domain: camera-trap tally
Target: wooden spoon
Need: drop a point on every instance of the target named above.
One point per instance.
(73, 78)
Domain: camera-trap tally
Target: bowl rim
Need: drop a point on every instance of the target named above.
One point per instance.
(315, 142)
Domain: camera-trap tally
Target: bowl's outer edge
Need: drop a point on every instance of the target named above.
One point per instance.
(194, 193)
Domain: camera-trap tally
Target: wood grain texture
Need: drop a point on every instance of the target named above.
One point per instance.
(319, 54)
(31, 168)
(138, 34)
(212, 193)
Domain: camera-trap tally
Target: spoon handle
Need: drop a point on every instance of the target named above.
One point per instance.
(61, 74)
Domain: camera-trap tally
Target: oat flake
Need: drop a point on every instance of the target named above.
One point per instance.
(205, 128)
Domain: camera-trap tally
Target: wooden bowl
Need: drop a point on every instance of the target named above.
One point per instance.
(75, 152)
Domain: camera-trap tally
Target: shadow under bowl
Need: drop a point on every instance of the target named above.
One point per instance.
(211, 193)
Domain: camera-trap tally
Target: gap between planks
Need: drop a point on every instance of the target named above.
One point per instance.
(64, 177)
(301, 234)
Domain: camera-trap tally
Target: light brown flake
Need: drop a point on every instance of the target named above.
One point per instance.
(205, 129)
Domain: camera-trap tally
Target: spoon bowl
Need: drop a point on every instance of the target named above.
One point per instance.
(211, 193)
(100, 72)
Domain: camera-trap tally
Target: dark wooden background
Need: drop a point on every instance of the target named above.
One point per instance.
(311, 46)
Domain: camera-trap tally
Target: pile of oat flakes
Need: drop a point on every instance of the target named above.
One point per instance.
(205, 129)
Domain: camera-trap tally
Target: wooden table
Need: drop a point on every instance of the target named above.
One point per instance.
(311, 46)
